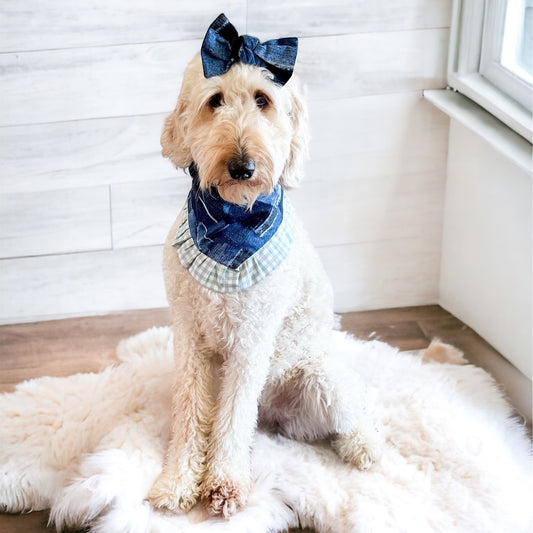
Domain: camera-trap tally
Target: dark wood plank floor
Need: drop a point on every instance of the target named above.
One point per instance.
(65, 347)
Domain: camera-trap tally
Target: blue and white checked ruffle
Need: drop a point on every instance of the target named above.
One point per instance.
(256, 268)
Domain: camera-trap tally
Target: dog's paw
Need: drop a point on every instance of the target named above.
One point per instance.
(224, 497)
(358, 449)
(173, 494)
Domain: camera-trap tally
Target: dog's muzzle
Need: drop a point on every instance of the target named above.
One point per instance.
(241, 168)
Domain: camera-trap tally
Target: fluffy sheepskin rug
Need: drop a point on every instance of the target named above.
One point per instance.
(90, 445)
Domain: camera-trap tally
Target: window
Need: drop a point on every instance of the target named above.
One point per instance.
(506, 48)
(491, 58)
(517, 47)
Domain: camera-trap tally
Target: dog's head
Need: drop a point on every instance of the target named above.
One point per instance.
(244, 132)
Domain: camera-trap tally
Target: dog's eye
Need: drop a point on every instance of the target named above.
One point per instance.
(215, 100)
(261, 100)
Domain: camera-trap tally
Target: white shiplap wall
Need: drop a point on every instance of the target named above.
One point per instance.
(86, 199)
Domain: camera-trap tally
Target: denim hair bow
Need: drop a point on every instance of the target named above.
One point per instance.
(223, 46)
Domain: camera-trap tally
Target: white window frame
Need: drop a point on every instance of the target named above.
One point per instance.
(474, 68)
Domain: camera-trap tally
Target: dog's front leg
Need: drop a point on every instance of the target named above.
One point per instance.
(227, 481)
(178, 485)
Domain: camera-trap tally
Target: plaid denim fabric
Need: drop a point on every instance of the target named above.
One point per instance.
(220, 278)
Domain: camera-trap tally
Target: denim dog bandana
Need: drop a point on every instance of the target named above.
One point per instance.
(223, 46)
(227, 247)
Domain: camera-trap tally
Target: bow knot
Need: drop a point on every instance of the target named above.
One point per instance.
(223, 46)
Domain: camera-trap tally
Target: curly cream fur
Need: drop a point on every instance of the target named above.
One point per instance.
(276, 137)
(262, 352)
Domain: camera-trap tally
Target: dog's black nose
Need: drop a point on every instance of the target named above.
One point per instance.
(241, 168)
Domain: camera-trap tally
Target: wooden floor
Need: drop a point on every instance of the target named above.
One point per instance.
(65, 347)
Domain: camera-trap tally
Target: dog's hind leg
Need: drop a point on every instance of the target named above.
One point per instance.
(315, 400)
(362, 446)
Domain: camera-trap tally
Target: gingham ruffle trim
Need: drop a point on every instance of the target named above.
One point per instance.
(256, 268)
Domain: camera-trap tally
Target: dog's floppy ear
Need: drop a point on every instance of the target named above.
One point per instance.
(293, 172)
(173, 138)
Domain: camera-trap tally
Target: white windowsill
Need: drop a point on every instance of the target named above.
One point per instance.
(477, 119)
(496, 102)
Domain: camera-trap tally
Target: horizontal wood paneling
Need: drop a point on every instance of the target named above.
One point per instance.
(58, 155)
(84, 91)
(34, 25)
(73, 84)
(373, 63)
(377, 275)
(371, 209)
(375, 136)
(376, 172)
(53, 222)
(342, 212)
(363, 276)
(316, 17)
(144, 211)
(81, 284)
(53, 86)
(356, 137)
(67, 24)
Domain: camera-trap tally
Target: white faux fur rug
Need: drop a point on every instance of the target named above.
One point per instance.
(89, 446)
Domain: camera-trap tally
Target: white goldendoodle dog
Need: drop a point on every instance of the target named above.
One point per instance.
(251, 304)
